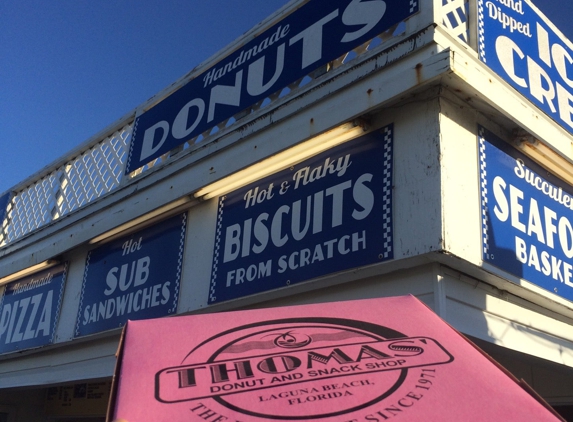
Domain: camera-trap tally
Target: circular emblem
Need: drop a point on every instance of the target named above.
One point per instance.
(292, 340)
(300, 369)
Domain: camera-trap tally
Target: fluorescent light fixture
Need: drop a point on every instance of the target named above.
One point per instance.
(157, 214)
(281, 160)
(545, 155)
(29, 270)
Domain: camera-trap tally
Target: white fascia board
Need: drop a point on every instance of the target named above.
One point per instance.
(476, 83)
(481, 88)
(58, 365)
(507, 283)
(498, 317)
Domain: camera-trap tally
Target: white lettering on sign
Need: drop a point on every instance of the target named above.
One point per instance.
(254, 235)
(21, 287)
(27, 318)
(128, 281)
(327, 250)
(246, 55)
(365, 13)
(131, 246)
(358, 13)
(552, 191)
(134, 301)
(543, 262)
(533, 73)
(138, 274)
(256, 196)
(540, 224)
(496, 13)
(306, 175)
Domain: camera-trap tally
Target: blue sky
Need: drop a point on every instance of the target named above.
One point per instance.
(69, 68)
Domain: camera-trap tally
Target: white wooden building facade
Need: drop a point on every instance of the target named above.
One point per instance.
(423, 78)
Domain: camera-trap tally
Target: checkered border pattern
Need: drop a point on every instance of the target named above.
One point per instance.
(388, 252)
(413, 6)
(212, 297)
(130, 153)
(483, 188)
(83, 292)
(60, 299)
(3, 296)
(179, 263)
(481, 32)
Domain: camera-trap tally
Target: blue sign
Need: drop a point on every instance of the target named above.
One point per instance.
(30, 308)
(313, 35)
(518, 44)
(327, 214)
(527, 217)
(135, 277)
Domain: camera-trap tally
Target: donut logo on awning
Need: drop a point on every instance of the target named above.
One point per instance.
(303, 368)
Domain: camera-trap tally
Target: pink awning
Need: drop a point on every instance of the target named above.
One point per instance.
(368, 360)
